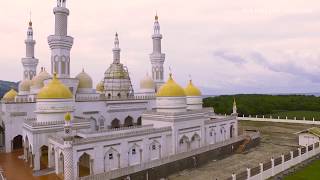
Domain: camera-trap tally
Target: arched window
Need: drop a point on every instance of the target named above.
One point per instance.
(115, 123)
(139, 121)
(84, 165)
(128, 121)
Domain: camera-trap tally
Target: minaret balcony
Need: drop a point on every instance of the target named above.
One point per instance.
(58, 42)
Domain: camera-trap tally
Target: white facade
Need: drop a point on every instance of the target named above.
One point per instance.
(109, 130)
(306, 139)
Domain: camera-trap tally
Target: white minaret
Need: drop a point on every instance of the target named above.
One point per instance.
(60, 43)
(157, 57)
(29, 62)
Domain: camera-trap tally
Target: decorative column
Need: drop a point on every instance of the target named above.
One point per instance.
(68, 148)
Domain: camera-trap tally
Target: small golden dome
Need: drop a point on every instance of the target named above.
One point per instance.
(37, 81)
(191, 90)
(147, 83)
(171, 89)
(100, 87)
(10, 95)
(85, 81)
(67, 117)
(55, 90)
(25, 85)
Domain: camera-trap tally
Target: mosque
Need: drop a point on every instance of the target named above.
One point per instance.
(63, 123)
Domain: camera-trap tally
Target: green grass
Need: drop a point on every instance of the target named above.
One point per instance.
(311, 172)
(299, 114)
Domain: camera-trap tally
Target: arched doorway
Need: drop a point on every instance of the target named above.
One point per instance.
(135, 155)
(115, 123)
(17, 142)
(231, 131)
(84, 165)
(44, 157)
(155, 150)
(111, 160)
(195, 141)
(184, 144)
(61, 165)
(2, 137)
(139, 121)
(128, 121)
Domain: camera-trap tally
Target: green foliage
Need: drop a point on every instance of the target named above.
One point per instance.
(263, 104)
(311, 172)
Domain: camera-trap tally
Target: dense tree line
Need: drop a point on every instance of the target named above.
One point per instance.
(263, 104)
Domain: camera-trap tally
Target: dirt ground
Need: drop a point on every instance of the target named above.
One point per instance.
(276, 139)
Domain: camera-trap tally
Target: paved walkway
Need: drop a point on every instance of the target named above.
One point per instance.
(16, 169)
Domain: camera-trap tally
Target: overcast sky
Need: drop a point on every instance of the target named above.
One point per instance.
(242, 46)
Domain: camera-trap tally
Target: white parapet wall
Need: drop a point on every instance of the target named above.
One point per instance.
(278, 165)
(270, 119)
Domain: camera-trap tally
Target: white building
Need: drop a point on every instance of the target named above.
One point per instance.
(63, 123)
(309, 136)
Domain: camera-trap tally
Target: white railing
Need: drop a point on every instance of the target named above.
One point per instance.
(155, 163)
(278, 165)
(278, 119)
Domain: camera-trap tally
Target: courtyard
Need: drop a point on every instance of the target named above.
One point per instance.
(276, 139)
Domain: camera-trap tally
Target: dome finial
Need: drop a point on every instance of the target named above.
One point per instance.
(67, 117)
(30, 21)
(156, 17)
(54, 75)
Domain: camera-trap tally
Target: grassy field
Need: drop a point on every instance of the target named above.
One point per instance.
(299, 114)
(311, 172)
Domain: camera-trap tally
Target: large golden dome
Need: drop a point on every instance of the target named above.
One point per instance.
(85, 81)
(147, 83)
(25, 85)
(171, 89)
(37, 81)
(10, 95)
(100, 87)
(55, 90)
(191, 90)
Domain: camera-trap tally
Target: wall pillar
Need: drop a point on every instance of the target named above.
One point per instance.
(234, 176)
(282, 162)
(299, 153)
(291, 159)
(36, 161)
(261, 171)
(248, 173)
(272, 166)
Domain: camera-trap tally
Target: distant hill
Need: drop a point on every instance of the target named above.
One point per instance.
(256, 104)
(5, 86)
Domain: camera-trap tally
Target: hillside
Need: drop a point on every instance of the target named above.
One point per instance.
(5, 86)
(265, 104)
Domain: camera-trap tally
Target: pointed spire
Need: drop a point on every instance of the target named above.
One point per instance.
(116, 50)
(30, 21)
(234, 109)
(116, 41)
(156, 27)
